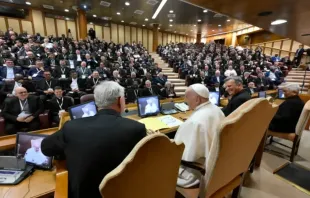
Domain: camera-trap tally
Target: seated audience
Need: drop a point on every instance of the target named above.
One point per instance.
(22, 112)
(62, 71)
(251, 88)
(217, 78)
(76, 86)
(92, 82)
(45, 87)
(289, 111)
(75, 142)
(150, 90)
(261, 82)
(238, 95)
(203, 123)
(83, 71)
(36, 73)
(168, 91)
(230, 71)
(58, 104)
(160, 80)
(7, 73)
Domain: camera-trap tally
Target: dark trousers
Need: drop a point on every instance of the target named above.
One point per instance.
(297, 60)
(13, 128)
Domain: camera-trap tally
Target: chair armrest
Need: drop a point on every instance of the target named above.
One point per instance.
(44, 121)
(194, 165)
(2, 126)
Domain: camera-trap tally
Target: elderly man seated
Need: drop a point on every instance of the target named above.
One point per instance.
(287, 116)
(197, 132)
(22, 112)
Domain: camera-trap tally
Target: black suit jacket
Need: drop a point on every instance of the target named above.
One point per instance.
(54, 108)
(57, 72)
(236, 101)
(93, 147)
(8, 87)
(12, 108)
(287, 115)
(43, 86)
(147, 92)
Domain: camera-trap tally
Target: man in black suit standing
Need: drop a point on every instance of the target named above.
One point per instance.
(289, 111)
(298, 55)
(22, 112)
(58, 105)
(96, 145)
(234, 87)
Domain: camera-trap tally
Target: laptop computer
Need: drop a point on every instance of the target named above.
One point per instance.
(262, 94)
(84, 110)
(281, 94)
(148, 106)
(168, 108)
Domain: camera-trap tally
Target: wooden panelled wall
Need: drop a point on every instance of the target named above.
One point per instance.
(118, 33)
(282, 47)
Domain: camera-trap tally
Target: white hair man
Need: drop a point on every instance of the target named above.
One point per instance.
(289, 111)
(197, 131)
(96, 145)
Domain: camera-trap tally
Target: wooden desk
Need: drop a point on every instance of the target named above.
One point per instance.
(40, 184)
(8, 142)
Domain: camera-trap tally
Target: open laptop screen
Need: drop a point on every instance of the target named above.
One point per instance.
(28, 146)
(148, 106)
(84, 110)
(262, 94)
(281, 94)
(214, 98)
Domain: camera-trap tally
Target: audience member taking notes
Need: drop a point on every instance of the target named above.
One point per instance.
(96, 145)
(197, 131)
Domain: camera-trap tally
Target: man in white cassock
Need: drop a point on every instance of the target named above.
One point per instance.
(197, 132)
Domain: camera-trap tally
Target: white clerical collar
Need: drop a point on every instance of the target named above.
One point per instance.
(202, 105)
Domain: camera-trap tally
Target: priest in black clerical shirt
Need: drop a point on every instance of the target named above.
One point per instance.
(46, 86)
(93, 82)
(58, 104)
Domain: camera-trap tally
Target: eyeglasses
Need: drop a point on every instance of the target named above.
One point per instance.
(23, 92)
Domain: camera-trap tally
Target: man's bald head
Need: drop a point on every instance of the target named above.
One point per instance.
(21, 93)
(196, 95)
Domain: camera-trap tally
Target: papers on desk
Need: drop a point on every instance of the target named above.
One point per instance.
(163, 122)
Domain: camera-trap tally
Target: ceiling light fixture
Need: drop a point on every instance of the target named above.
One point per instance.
(186, 34)
(66, 10)
(118, 13)
(161, 5)
(171, 11)
(28, 3)
(67, 19)
(278, 22)
(205, 11)
(127, 3)
(199, 20)
(122, 21)
(194, 25)
(94, 15)
(175, 31)
(159, 28)
(191, 30)
(212, 30)
(228, 20)
(85, 6)
(143, 25)
(219, 25)
(146, 19)
(91, 23)
(171, 20)
(170, 25)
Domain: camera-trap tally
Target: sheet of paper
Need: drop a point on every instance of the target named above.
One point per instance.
(23, 114)
(153, 123)
(170, 121)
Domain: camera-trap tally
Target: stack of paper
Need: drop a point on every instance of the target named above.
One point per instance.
(163, 122)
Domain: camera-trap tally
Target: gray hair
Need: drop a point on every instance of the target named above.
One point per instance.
(237, 79)
(291, 86)
(107, 93)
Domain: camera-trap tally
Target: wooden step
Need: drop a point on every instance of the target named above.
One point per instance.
(173, 77)
(179, 84)
(180, 93)
(176, 80)
(180, 88)
(296, 80)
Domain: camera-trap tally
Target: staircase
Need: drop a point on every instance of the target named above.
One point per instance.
(179, 84)
(296, 76)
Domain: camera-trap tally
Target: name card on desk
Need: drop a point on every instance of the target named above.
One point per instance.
(163, 122)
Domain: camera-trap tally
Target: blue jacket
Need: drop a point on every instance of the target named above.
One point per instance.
(3, 71)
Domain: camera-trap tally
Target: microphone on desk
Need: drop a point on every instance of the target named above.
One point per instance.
(126, 111)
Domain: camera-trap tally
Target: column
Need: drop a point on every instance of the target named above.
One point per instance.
(82, 23)
(155, 36)
(198, 38)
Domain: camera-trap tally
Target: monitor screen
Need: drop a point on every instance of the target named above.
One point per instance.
(262, 94)
(28, 146)
(214, 98)
(281, 94)
(148, 106)
(84, 110)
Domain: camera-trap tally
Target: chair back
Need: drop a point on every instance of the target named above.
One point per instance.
(87, 97)
(235, 144)
(303, 119)
(150, 170)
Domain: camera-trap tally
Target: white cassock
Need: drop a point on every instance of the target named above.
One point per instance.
(197, 134)
(35, 157)
(150, 108)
